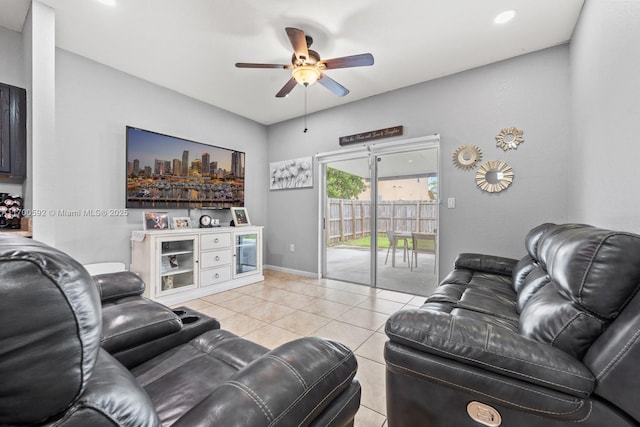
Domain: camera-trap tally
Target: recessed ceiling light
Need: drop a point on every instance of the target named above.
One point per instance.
(108, 2)
(504, 17)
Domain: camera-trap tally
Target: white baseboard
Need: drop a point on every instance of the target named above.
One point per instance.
(291, 271)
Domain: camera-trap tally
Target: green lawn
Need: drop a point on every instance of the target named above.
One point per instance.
(365, 242)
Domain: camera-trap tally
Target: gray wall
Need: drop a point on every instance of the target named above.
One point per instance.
(605, 96)
(530, 92)
(584, 171)
(94, 103)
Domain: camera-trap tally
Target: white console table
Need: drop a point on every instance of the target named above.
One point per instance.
(184, 264)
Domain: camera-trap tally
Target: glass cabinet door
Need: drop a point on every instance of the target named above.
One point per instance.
(246, 253)
(177, 267)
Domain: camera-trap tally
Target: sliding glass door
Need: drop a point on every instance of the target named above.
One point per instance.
(347, 220)
(380, 216)
(407, 220)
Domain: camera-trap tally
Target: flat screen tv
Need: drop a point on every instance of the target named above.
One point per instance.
(166, 172)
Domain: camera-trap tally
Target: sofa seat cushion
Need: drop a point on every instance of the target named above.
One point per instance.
(496, 349)
(180, 378)
(219, 378)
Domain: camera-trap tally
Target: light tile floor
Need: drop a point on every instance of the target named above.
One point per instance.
(284, 307)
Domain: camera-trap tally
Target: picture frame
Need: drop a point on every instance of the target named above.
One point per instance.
(240, 216)
(178, 222)
(291, 174)
(167, 282)
(155, 220)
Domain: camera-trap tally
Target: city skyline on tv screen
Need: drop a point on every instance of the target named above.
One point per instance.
(170, 172)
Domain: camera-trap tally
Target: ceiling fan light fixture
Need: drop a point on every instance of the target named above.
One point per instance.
(306, 74)
(504, 17)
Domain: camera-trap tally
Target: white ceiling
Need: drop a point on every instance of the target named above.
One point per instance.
(191, 46)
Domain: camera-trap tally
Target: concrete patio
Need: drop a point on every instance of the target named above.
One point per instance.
(352, 265)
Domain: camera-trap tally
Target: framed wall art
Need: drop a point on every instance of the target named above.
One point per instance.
(291, 174)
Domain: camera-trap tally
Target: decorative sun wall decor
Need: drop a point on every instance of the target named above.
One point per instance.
(509, 138)
(494, 176)
(467, 156)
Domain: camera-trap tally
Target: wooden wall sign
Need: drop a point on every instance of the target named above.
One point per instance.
(359, 138)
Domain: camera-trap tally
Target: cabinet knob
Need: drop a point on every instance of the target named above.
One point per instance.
(216, 240)
(217, 275)
(217, 258)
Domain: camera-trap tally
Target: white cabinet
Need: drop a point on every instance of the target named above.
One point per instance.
(180, 265)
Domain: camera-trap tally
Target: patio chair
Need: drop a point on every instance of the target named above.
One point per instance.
(393, 244)
(424, 243)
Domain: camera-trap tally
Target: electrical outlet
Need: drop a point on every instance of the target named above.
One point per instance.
(451, 202)
(292, 248)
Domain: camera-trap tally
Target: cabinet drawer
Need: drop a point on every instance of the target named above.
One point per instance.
(215, 258)
(215, 275)
(215, 241)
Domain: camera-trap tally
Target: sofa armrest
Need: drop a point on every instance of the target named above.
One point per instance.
(486, 263)
(134, 323)
(490, 347)
(290, 385)
(113, 286)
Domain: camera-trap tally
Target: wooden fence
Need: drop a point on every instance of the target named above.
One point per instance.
(351, 219)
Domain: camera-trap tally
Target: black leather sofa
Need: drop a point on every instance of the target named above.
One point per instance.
(61, 330)
(552, 339)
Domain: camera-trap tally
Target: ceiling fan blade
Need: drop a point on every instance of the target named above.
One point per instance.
(361, 60)
(299, 43)
(288, 87)
(250, 65)
(332, 85)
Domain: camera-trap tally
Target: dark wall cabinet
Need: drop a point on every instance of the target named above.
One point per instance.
(13, 132)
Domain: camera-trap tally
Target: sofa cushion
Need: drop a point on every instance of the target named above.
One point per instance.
(50, 318)
(592, 273)
(183, 376)
(533, 238)
(496, 349)
(550, 318)
(535, 279)
(597, 268)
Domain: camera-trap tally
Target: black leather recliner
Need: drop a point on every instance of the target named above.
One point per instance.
(550, 340)
(55, 370)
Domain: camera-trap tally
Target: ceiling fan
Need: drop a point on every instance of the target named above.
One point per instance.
(307, 67)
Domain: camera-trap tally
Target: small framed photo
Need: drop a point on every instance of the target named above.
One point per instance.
(155, 220)
(240, 217)
(167, 283)
(178, 222)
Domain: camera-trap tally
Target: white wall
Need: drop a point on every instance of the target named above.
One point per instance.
(43, 156)
(604, 188)
(94, 104)
(530, 92)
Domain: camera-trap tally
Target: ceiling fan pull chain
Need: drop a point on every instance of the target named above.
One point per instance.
(306, 88)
